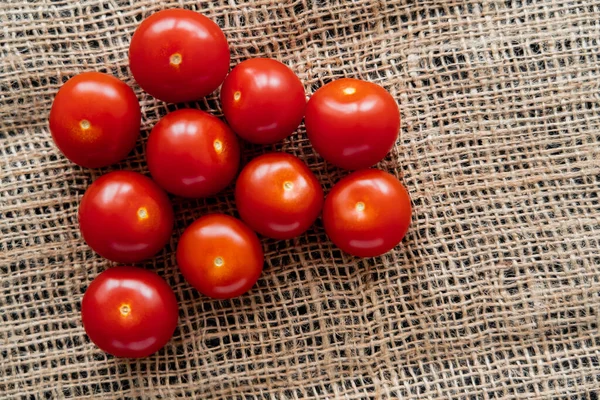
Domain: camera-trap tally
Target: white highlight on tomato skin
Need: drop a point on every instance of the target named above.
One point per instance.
(139, 345)
(284, 227)
(349, 90)
(366, 244)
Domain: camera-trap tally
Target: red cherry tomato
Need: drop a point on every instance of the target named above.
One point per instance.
(178, 55)
(278, 196)
(367, 213)
(125, 217)
(263, 100)
(192, 154)
(95, 119)
(220, 256)
(129, 312)
(352, 123)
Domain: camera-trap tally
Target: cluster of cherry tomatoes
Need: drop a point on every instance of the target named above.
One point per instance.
(178, 56)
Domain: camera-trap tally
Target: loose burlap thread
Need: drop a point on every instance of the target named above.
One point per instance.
(494, 292)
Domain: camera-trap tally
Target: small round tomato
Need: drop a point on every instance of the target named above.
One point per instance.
(263, 100)
(129, 312)
(95, 119)
(220, 256)
(125, 217)
(191, 153)
(367, 213)
(278, 196)
(178, 55)
(352, 123)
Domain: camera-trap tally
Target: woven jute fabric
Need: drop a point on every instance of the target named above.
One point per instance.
(495, 290)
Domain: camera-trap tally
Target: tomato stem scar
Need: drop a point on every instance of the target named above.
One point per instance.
(85, 124)
(125, 309)
(175, 59)
(142, 213)
(218, 145)
(219, 262)
(360, 206)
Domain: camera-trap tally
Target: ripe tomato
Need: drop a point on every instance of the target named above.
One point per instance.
(178, 55)
(129, 312)
(278, 196)
(352, 123)
(263, 100)
(367, 213)
(220, 256)
(125, 217)
(191, 153)
(95, 119)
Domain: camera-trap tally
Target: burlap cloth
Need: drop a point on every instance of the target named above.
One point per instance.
(494, 292)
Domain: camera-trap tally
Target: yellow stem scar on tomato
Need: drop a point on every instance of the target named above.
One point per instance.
(349, 90)
(142, 213)
(218, 145)
(85, 132)
(219, 262)
(237, 95)
(360, 206)
(125, 310)
(175, 59)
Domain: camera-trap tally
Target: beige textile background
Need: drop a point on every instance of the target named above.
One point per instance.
(494, 293)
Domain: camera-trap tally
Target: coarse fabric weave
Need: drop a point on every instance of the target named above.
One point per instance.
(494, 292)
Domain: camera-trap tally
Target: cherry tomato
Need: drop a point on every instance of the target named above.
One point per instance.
(191, 153)
(220, 256)
(125, 217)
(263, 100)
(178, 55)
(367, 213)
(129, 312)
(95, 119)
(352, 123)
(278, 196)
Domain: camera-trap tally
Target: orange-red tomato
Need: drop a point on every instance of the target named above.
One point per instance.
(220, 256)
(178, 55)
(191, 153)
(367, 213)
(263, 100)
(129, 312)
(352, 123)
(95, 119)
(125, 217)
(278, 196)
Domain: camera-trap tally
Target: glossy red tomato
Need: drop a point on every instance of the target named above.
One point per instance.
(125, 217)
(263, 100)
(352, 123)
(367, 213)
(191, 153)
(278, 196)
(178, 55)
(95, 119)
(220, 256)
(129, 312)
